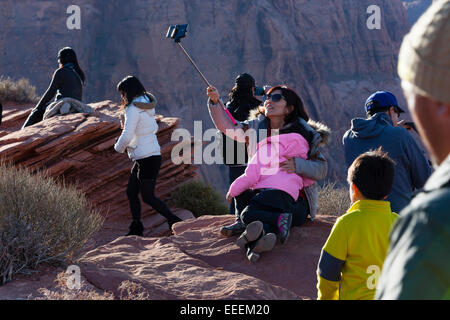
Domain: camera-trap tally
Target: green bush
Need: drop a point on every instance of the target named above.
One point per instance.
(19, 91)
(198, 198)
(40, 221)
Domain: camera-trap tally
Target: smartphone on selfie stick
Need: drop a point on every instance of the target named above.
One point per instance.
(177, 32)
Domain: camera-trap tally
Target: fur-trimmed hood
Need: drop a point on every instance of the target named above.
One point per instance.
(323, 130)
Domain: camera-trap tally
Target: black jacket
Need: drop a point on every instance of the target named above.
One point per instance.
(66, 83)
(240, 110)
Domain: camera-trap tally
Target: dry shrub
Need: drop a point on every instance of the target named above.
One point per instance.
(40, 221)
(19, 91)
(132, 291)
(128, 291)
(63, 292)
(333, 199)
(199, 198)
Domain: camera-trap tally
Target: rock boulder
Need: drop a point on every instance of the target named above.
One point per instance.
(198, 263)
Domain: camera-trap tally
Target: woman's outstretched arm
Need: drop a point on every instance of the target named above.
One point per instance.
(220, 118)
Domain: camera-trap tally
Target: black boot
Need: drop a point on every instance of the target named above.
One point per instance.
(233, 229)
(136, 228)
(172, 220)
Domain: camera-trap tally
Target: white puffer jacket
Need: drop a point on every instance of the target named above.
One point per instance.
(139, 133)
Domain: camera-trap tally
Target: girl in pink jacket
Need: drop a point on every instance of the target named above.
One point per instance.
(263, 170)
(270, 211)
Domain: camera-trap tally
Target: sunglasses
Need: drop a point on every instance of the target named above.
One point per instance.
(275, 97)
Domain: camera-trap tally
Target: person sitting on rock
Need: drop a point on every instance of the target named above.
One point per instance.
(67, 82)
(139, 139)
(264, 175)
(354, 253)
(284, 106)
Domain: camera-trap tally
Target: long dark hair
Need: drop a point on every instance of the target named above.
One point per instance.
(291, 123)
(68, 55)
(292, 99)
(132, 88)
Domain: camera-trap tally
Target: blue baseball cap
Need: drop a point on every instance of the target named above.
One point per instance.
(382, 99)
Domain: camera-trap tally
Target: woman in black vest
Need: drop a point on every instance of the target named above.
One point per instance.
(242, 101)
(67, 82)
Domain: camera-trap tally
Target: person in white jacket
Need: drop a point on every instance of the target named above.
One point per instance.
(139, 139)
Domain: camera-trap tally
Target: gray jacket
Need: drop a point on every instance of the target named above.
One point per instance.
(418, 260)
(315, 168)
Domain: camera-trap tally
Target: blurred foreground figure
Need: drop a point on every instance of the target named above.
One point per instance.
(417, 265)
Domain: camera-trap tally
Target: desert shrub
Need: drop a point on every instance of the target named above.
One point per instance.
(19, 91)
(334, 200)
(127, 290)
(132, 291)
(40, 221)
(199, 198)
(63, 292)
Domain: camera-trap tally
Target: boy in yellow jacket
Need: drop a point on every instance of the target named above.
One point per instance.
(352, 258)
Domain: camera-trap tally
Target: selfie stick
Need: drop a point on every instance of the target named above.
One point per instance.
(175, 33)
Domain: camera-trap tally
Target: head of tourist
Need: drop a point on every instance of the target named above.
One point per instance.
(68, 56)
(371, 176)
(130, 88)
(383, 101)
(284, 106)
(244, 88)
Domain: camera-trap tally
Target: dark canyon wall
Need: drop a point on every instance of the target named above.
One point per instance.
(321, 48)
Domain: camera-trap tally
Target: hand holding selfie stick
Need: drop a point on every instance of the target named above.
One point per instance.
(177, 32)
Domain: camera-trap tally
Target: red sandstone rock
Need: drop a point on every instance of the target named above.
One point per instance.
(198, 263)
(79, 148)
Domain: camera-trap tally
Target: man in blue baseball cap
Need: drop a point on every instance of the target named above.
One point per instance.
(381, 129)
(383, 101)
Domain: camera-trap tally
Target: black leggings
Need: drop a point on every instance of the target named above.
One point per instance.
(143, 179)
(36, 115)
(266, 205)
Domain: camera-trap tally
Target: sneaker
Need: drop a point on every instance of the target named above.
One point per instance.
(265, 243)
(284, 226)
(252, 256)
(251, 233)
(233, 229)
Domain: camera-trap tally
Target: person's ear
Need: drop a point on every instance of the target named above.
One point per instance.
(355, 190)
(357, 194)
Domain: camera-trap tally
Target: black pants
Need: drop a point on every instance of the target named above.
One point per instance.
(266, 206)
(36, 115)
(143, 180)
(234, 173)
